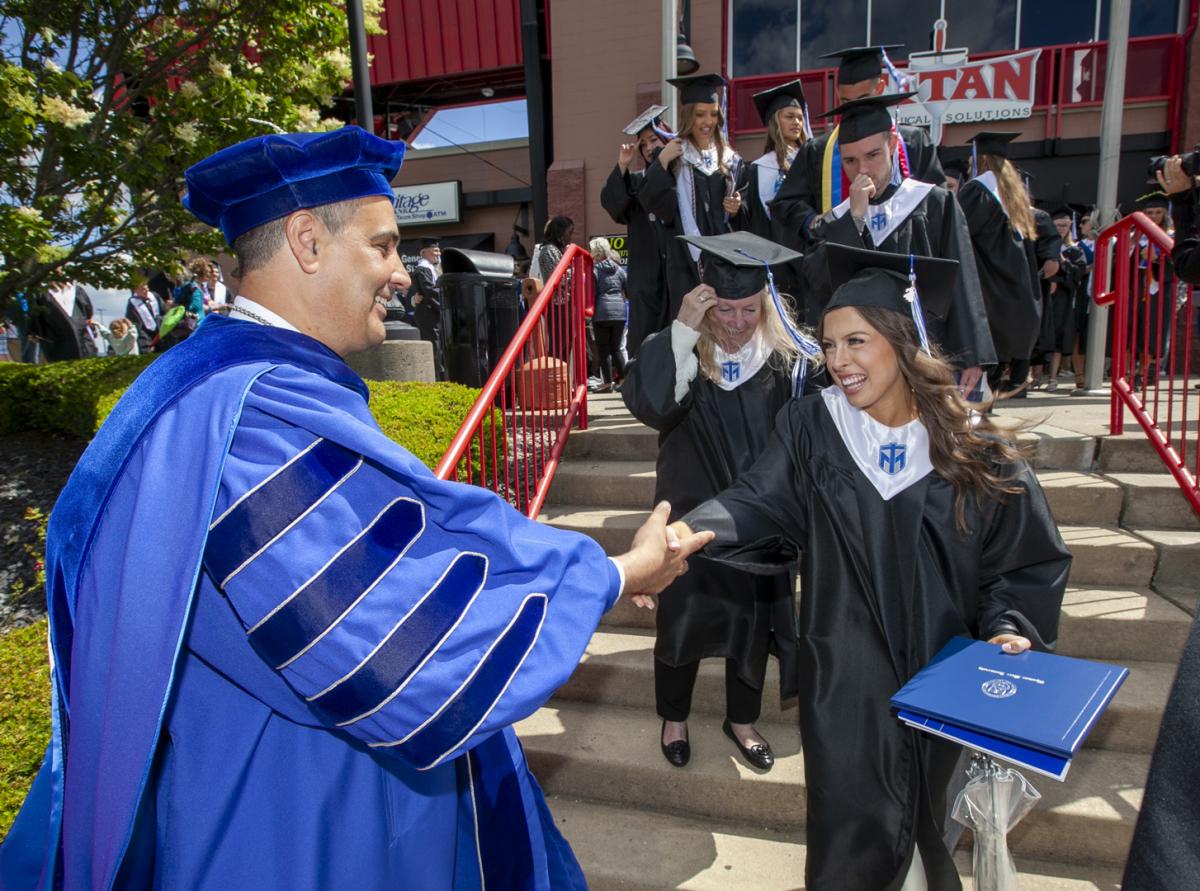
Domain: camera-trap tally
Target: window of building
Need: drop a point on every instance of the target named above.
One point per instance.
(1146, 18)
(473, 124)
(764, 36)
(909, 23)
(983, 26)
(764, 33)
(827, 27)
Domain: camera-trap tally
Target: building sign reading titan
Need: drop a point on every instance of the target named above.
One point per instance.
(953, 90)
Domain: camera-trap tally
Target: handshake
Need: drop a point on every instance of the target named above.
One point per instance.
(658, 555)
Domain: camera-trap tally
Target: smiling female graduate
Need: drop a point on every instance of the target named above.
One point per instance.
(691, 188)
(917, 523)
(784, 112)
(712, 384)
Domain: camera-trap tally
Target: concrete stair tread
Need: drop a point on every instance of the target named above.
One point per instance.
(628, 849)
(1162, 480)
(600, 752)
(617, 669)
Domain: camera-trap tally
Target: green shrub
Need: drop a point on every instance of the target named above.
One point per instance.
(64, 397)
(24, 714)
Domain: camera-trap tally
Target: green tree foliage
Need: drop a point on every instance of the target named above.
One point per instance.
(104, 104)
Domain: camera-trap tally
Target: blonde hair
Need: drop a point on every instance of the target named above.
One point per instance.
(775, 141)
(784, 352)
(600, 249)
(685, 132)
(1013, 196)
(120, 327)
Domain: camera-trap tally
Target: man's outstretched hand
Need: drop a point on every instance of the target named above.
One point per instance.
(658, 555)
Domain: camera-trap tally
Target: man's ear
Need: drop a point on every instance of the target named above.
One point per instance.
(304, 233)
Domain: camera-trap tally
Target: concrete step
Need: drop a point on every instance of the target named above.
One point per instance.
(622, 849)
(618, 669)
(1129, 453)
(1154, 500)
(1112, 624)
(615, 435)
(611, 754)
(1104, 557)
(1074, 497)
(1177, 574)
(1109, 624)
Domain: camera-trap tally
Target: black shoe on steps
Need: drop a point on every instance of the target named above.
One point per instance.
(678, 752)
(758, 755)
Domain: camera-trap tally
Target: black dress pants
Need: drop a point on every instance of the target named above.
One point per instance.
(673, 693)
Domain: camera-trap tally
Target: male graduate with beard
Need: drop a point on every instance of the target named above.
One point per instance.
(646, 283)
(308, 681)
(900, 215)
(816, 182)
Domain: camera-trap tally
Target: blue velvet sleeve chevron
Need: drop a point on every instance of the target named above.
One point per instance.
(415, 614)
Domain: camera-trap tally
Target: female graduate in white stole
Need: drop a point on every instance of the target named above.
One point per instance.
(918, 522)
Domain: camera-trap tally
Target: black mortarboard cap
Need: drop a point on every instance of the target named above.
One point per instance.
(993, 142)
(430, 242)
(861, 277)
(956, 168)
(783, 96)
(867, 116)
(859, 63)
(1062, 211)
(733, 263)
(697, 87)
(646, 119)
(1157, 198)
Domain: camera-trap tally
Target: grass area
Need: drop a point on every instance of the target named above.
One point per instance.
(24, 714)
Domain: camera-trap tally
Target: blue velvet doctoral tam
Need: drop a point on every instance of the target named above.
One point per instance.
(287, 656)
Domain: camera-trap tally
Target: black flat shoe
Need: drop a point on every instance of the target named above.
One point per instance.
(679, 752)
(758, 755)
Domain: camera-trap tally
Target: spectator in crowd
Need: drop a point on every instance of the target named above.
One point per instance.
(218, 294)
(12, 341)
(425, 298)
(121, 337)
(144, 312)
(556, 236)
(608, 321)
(190, 295)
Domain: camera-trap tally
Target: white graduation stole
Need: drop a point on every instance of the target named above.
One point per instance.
(892, 458)
(885, 217)
(737, 368)
(987, 179)
(770, 177)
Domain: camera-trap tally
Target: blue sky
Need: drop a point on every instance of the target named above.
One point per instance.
(471, 124)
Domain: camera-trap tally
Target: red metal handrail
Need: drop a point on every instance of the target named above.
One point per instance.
(514, 435)
(1151, 332)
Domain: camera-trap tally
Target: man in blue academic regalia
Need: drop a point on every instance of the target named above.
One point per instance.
(284, 654)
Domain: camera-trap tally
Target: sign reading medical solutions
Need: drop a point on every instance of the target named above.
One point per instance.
(428, 203)
(951, 89)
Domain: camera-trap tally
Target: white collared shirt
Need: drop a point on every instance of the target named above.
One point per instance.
(272, 318)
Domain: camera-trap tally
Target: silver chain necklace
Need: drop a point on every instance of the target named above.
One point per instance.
(250, 314)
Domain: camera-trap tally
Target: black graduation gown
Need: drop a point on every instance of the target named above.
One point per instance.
(1185, 258)
(658, 196)
(427, 315)
(1014, 306)
(646, 283)
(885, 585)
(1164, 848)
(937, 228)
(1048, 246)
(1061, 306)
(704, 443)
(754, 217)
(799, 197)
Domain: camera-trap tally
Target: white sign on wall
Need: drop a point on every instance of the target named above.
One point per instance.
(951, 89)
(429, 203)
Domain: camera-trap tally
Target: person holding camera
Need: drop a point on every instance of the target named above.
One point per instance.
(1164, 840)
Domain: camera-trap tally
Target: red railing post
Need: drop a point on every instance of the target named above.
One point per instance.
(1147, 298)
(534, 396)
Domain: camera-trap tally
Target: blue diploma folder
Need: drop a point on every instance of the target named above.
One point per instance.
(1022, 708)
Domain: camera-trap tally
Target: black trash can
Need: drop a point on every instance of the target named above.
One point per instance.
(481, 311)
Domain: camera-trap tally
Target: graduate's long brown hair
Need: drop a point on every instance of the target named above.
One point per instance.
(970, 453)
(1013, 196)
(688, 115)
(777, 144)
